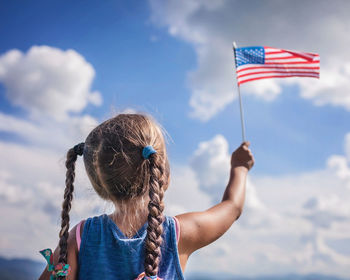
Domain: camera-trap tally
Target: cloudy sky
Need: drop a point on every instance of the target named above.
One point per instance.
(66, 66)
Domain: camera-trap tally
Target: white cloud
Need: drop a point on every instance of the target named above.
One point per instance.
(12, 193)
(340, 164)
(48, 132)
(341, 168)
(332, 88)
(211, 163)
(313, 208)
(211, 26)
(48, 81)
(184, 194)
(267, 89)
(289, 223)
(322, 211)
(31, 193)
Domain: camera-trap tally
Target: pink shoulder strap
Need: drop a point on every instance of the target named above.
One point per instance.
(177, 227)
(77, 235)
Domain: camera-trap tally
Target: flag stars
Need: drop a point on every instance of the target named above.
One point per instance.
(250, 55)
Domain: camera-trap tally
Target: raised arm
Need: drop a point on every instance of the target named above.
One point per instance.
(199, 229)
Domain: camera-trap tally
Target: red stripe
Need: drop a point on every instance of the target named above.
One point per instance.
(279, 72)
(269, 50)
(277, 67)
(283, 57)
(277, 76)
(289, 75)
(304, 55)
(290, 57)
(294, 62)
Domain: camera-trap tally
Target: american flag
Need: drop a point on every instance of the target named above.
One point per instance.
(255, 63)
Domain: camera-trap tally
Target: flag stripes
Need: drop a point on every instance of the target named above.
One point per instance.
(256, 63)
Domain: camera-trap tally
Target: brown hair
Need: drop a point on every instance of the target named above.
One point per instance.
(118, 172)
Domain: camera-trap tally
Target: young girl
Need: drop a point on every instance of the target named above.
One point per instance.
(126, 161)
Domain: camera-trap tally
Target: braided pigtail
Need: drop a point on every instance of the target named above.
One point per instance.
(72, 155)
(155, 217)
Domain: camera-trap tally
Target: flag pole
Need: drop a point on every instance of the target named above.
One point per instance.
(239, 96)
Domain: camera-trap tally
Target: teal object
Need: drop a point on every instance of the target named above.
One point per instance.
(58, 270)
(147, 151)
(47, 254)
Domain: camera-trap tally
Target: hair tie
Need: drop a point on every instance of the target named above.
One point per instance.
(79, 148)
(148, 151)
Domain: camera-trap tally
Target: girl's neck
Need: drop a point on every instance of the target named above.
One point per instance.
(130, 216)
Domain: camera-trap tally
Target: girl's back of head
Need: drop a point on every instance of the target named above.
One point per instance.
(123, 171)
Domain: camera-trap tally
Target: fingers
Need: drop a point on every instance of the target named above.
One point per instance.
(245, 146)
(243, 156)
(245, 143)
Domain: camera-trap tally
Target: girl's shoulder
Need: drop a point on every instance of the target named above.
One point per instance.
(96, 221)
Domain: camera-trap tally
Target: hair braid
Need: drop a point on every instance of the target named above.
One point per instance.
(155, 217)
(67, 203)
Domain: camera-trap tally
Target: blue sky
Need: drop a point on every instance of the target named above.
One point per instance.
(173, 60)
(132, 70)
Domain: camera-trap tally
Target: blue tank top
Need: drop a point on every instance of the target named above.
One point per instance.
(106, 253)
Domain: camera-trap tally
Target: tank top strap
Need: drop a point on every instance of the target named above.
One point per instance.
(77, 234)
(177, 228)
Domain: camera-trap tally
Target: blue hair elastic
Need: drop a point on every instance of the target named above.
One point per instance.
(147, 151)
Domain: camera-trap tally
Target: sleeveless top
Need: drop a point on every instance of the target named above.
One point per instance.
(106, 253)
